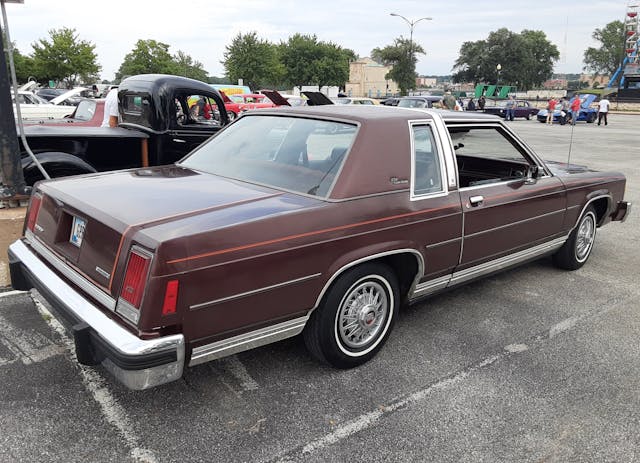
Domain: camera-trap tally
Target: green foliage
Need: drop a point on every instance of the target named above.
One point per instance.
(65, 58)
(402, 56)
(148, 57)
(307, 61)
(606, 58)
(526, 59)
(253, 60)
(187, 67)
(22, 63)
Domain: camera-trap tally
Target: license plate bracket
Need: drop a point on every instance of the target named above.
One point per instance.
(78, 228)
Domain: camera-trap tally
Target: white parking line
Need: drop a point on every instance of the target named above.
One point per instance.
(239, 371)
(28, 346)
(98, 388)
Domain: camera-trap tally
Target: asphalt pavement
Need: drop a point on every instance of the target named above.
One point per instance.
(534, 364)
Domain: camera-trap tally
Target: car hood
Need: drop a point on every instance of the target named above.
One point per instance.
(275, 97)
(562, 168)
(66, 95)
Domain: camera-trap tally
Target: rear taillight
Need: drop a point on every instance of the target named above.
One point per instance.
(34, 209)
(135, 278)
(170, 298)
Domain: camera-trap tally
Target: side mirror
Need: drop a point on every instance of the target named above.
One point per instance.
(533, 173)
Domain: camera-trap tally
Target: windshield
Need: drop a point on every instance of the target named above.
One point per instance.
(288, 153)
(85, 110)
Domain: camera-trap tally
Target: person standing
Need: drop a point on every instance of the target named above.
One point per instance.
(575, 109)
(510, 107)
(481, 102)
(449, 101)
(471, 105)
(551, 107)
(564, 110)
(603, 110)
(110, 118)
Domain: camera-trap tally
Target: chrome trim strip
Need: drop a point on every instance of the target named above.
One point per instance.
(247, 341)
(431, 286)
(203, 305)
(627, 213)
(111, 332)
(442, 243)
(609, 197)
(506, 261)
(419, 274)
(67, 271)
(560, 211)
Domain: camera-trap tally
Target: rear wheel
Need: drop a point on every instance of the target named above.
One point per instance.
(576, 250)
(232, 116)
(355, 317)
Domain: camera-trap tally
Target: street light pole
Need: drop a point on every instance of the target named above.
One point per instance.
(411, 26)
(498, 69)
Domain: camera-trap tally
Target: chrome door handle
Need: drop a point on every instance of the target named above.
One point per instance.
(476, 200)
(179, 140)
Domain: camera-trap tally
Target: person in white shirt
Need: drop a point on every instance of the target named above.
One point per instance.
(110, 118)
(603, 109)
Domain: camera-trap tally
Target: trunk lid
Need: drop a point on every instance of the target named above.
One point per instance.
(85, 220)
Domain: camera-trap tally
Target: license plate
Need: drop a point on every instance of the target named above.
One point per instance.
(78, 228)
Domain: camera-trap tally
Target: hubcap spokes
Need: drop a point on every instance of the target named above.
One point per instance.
(362, 314)
(585, 237)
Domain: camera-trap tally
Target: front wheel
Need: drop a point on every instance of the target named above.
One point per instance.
(232, 116)
(355, 317)
(576, 250)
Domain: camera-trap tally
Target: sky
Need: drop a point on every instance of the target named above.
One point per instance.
(203, 29)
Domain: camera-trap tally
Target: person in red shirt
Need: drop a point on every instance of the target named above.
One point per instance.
(575, 109)
(550, 109)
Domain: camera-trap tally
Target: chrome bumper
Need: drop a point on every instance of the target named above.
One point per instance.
(622, 211)
(137, 363)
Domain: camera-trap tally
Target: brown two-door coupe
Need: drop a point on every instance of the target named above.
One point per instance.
(319, 220)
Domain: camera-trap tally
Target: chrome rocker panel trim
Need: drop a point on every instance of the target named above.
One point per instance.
(111, 333)
(247, 341)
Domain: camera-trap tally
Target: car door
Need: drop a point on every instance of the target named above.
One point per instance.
(512, 205)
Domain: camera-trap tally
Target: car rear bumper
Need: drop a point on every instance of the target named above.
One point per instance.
(137, 363)
(622, 211)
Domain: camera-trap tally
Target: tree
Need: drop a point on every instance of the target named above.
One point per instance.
(22, 63)
(402, 56)
(187, 67)
(332, 65)
(65, 58)
(148, 57)
(526, 59)
(606, 58)
(253, 60)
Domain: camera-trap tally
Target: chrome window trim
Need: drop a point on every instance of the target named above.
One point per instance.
(246, 341)
(88, 287)
(440, 155)
(207, 304)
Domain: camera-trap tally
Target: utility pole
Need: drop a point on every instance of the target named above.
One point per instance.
(12, 184)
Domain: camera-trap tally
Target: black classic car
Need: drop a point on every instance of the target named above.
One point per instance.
(156, 127)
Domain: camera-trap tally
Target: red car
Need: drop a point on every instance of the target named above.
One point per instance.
(320, 221)
(237, 104)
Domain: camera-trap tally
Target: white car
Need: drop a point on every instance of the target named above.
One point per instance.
(34, 107)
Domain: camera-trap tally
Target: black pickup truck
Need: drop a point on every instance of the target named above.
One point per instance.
(158, 125)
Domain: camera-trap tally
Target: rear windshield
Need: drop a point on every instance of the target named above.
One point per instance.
(411, 103)
(288, 153)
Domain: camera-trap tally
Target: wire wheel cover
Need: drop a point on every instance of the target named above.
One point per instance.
(585, 237)
(363, 314)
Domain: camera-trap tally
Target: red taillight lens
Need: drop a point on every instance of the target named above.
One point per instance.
(170, 298)
(34, 209)
(134, 278)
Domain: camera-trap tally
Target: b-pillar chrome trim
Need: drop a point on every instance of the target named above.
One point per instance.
(247, 341)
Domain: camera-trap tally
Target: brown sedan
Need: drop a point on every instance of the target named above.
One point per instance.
(320, 220)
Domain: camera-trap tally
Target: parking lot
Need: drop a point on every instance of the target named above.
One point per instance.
(535, 364)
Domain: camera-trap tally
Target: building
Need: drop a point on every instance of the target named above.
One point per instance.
(592, 79)
(426, 82)
(367, 78)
